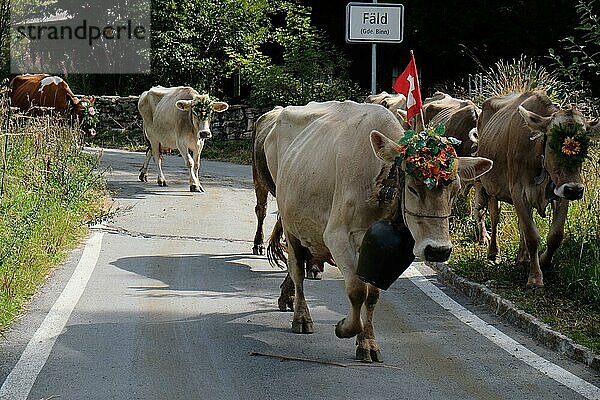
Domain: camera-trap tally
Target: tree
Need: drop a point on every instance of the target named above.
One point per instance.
(579, 60)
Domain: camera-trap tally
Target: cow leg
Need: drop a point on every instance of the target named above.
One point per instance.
(260, 209)
(190, 163)
(531, 240)
(302, 322)
(479, 207)
(555, 233)
(286, 296)
(197, 153)
(155, 146)
(494, 219)
(367, 349)
(144, 169)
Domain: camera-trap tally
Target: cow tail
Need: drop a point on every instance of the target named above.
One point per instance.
(276, 249)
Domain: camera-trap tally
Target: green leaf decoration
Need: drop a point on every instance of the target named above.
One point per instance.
(430, 183)
(440, 130)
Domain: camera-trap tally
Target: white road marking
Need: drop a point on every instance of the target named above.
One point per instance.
(500, 339)
(19, 382)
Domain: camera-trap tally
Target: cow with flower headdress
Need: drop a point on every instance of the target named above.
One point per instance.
(538, 149)
(177, 118)
(41, 94)
(339, 168)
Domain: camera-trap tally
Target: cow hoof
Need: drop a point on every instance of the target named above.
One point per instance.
(162, 183)
(345, 334)
(535, 285)
(286, 303)
(302, 327)
(196, 188)
(314, 273)
(143, 177)
(368, 356)
(258, 250)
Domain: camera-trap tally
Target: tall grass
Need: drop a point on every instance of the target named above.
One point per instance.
(48, 190)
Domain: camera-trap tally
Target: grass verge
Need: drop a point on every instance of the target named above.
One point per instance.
(49, 190)
(570, 299)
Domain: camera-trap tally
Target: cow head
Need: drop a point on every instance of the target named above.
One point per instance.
(200, 109)
(567, 135)
(426, 202)
(84, 111)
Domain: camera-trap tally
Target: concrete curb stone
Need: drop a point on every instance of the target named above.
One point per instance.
(524, 321)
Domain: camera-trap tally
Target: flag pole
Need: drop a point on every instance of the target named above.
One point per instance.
(422, 128)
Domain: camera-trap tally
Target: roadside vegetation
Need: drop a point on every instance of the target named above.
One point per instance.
(49, 191)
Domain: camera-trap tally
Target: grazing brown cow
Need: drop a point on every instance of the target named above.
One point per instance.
(326, 160)
(458, 116)
(537, 149)
(30, 92)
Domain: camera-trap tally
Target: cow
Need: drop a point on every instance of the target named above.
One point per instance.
(537, 149)
(458, 116)
(393, 102)
(327, 161)
(176, 118)
(35, 93)
(263, 185)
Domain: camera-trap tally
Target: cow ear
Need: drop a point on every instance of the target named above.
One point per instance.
(402, 114)
(535, 122)
(470, 168)
(220, 106)
(593, 129)
(184, 105)
(385, 149)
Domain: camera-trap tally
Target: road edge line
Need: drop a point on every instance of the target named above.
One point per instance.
(21, 379)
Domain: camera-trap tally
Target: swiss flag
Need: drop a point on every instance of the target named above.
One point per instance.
(408, 84)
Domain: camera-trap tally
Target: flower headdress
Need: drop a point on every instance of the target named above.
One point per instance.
(203, 108)
(429, 156)
(90, 114)
(570, 143)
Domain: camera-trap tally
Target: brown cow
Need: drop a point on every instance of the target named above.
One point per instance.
(520, 132)
(396, 103)
(458, 116)
(30, 92)
(326, 160)
(263, 185)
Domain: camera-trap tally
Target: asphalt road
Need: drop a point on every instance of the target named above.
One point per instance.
(166, 301)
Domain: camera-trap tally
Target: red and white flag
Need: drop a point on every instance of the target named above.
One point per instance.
(408, 84)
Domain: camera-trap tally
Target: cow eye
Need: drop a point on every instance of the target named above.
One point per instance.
(413, 191)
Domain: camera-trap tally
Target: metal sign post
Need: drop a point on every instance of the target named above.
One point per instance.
(374, 23)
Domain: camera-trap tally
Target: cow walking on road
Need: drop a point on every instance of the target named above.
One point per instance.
(328, 161)
(537, 149)
(177, 118)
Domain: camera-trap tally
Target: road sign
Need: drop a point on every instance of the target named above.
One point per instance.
(374, 23)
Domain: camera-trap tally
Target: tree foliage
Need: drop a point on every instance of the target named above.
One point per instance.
(579, 59)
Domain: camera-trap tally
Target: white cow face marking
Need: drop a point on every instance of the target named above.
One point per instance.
(201, 109)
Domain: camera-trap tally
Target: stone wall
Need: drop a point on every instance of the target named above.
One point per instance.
(121, 113)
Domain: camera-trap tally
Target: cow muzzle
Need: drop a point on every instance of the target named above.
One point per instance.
(204, 134)
(570, 191)
(437, 253)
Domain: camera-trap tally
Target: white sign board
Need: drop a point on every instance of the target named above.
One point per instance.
(374, 23)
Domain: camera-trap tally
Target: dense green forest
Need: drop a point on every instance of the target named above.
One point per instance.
(266, 52)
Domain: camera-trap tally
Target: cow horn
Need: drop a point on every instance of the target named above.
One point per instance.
(593, 129)
(535, 122)
(403, 114)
